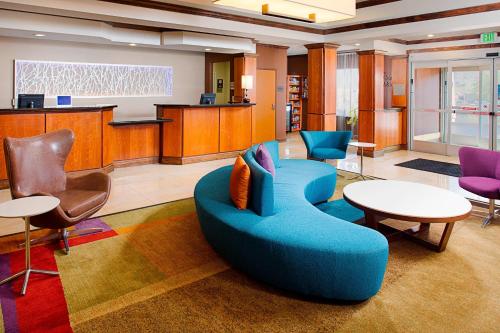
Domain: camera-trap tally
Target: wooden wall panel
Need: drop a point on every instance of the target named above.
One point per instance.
(379, 81)
(330, 81)
(18, 126)
(399, 74)
(366, 82)
(244, 65)
(172, 133)
(315, 77)
(322, 73)
(87, 148)
(274, 58)
(201, 131)
(107, 138)
(366, 122)
(136, 141)
(235, 128)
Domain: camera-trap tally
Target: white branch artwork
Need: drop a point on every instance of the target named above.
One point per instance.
(91, 80)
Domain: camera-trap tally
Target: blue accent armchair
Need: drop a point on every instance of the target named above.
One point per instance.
(326, 145)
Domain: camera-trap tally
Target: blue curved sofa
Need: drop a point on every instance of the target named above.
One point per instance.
(295, 246)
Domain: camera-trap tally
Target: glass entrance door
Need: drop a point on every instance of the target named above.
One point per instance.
(456, 106)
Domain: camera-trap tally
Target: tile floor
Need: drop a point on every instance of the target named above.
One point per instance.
(141, 186)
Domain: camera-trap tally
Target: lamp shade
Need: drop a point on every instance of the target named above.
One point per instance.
(247, 81)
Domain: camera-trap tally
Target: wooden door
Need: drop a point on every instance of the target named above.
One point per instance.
(264, 113)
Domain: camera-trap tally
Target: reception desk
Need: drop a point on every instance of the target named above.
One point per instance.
(179, 134)
(101, 143)
(204, 132)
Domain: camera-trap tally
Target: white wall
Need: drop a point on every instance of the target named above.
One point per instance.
(188, 67)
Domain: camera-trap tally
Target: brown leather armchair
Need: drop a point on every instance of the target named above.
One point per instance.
(35, 166)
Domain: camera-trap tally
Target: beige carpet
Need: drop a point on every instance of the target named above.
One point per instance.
(423, 291)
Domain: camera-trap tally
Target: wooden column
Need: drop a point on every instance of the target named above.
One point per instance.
(322, 72)
(371, 99)
(244, 64)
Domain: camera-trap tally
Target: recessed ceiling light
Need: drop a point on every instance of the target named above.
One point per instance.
(132, 44)
(430, 35)
(208, 49)
(39, 35)
(357, 44)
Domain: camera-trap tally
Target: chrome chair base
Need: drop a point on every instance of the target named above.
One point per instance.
(26, 274)
(491, 214)
(64, 235)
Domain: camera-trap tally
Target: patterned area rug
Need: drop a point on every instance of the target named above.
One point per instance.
(153, 271)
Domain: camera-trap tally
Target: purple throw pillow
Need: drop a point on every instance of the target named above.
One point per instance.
(265, 160)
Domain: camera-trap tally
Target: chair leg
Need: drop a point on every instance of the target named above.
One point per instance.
(77, 232)
(491, 214)
(64, 235)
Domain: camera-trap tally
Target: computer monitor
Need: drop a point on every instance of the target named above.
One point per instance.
(63, 101)
(30, 101)
(207, 99)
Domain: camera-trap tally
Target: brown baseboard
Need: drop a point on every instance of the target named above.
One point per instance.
(380, 153)
(136, 162)
(4, 184)
(200, 158)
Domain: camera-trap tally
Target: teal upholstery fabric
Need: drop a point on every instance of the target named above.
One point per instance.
(298, 248)
(326, 145)
(262, 186)
(342, 210)
(273, 148)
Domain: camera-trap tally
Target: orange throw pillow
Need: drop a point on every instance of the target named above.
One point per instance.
(239, 185)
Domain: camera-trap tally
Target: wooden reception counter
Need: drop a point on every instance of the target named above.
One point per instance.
(101, 143)
(204, 132)
(179, 134)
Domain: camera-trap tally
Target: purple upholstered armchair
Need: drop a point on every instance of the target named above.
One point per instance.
(481, 175)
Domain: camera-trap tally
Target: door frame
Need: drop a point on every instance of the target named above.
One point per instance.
(447, 148)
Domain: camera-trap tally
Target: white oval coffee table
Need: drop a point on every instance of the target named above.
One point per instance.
(26, 208)
(408, 201)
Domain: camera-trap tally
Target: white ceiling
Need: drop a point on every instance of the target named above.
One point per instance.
(70, 13)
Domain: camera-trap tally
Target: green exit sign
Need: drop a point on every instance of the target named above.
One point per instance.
(488, 37)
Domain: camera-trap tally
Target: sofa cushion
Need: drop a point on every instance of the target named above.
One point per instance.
(261, 186)
(273, 149)
(77, 202)
(485, 187)
(265, 160)
(239, 185)
(342, 209)
(328, 153)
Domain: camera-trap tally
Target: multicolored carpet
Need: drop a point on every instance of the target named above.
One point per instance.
(153, 271)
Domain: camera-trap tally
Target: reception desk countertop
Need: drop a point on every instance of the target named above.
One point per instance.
(55, 109)
(189, 106)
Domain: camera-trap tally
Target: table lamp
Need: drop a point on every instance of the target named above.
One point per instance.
(246, 83)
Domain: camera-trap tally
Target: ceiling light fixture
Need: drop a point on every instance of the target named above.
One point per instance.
(39, 35)
(208, 49)
(357, 44)
(132, 44)
(312, 11)
(430, 35)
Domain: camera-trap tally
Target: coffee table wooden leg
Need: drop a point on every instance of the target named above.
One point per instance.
(445, 237)
(370, 220)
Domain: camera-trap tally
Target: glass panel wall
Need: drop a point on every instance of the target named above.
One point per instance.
(347, 92)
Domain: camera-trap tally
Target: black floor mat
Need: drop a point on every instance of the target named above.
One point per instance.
(443, 168)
